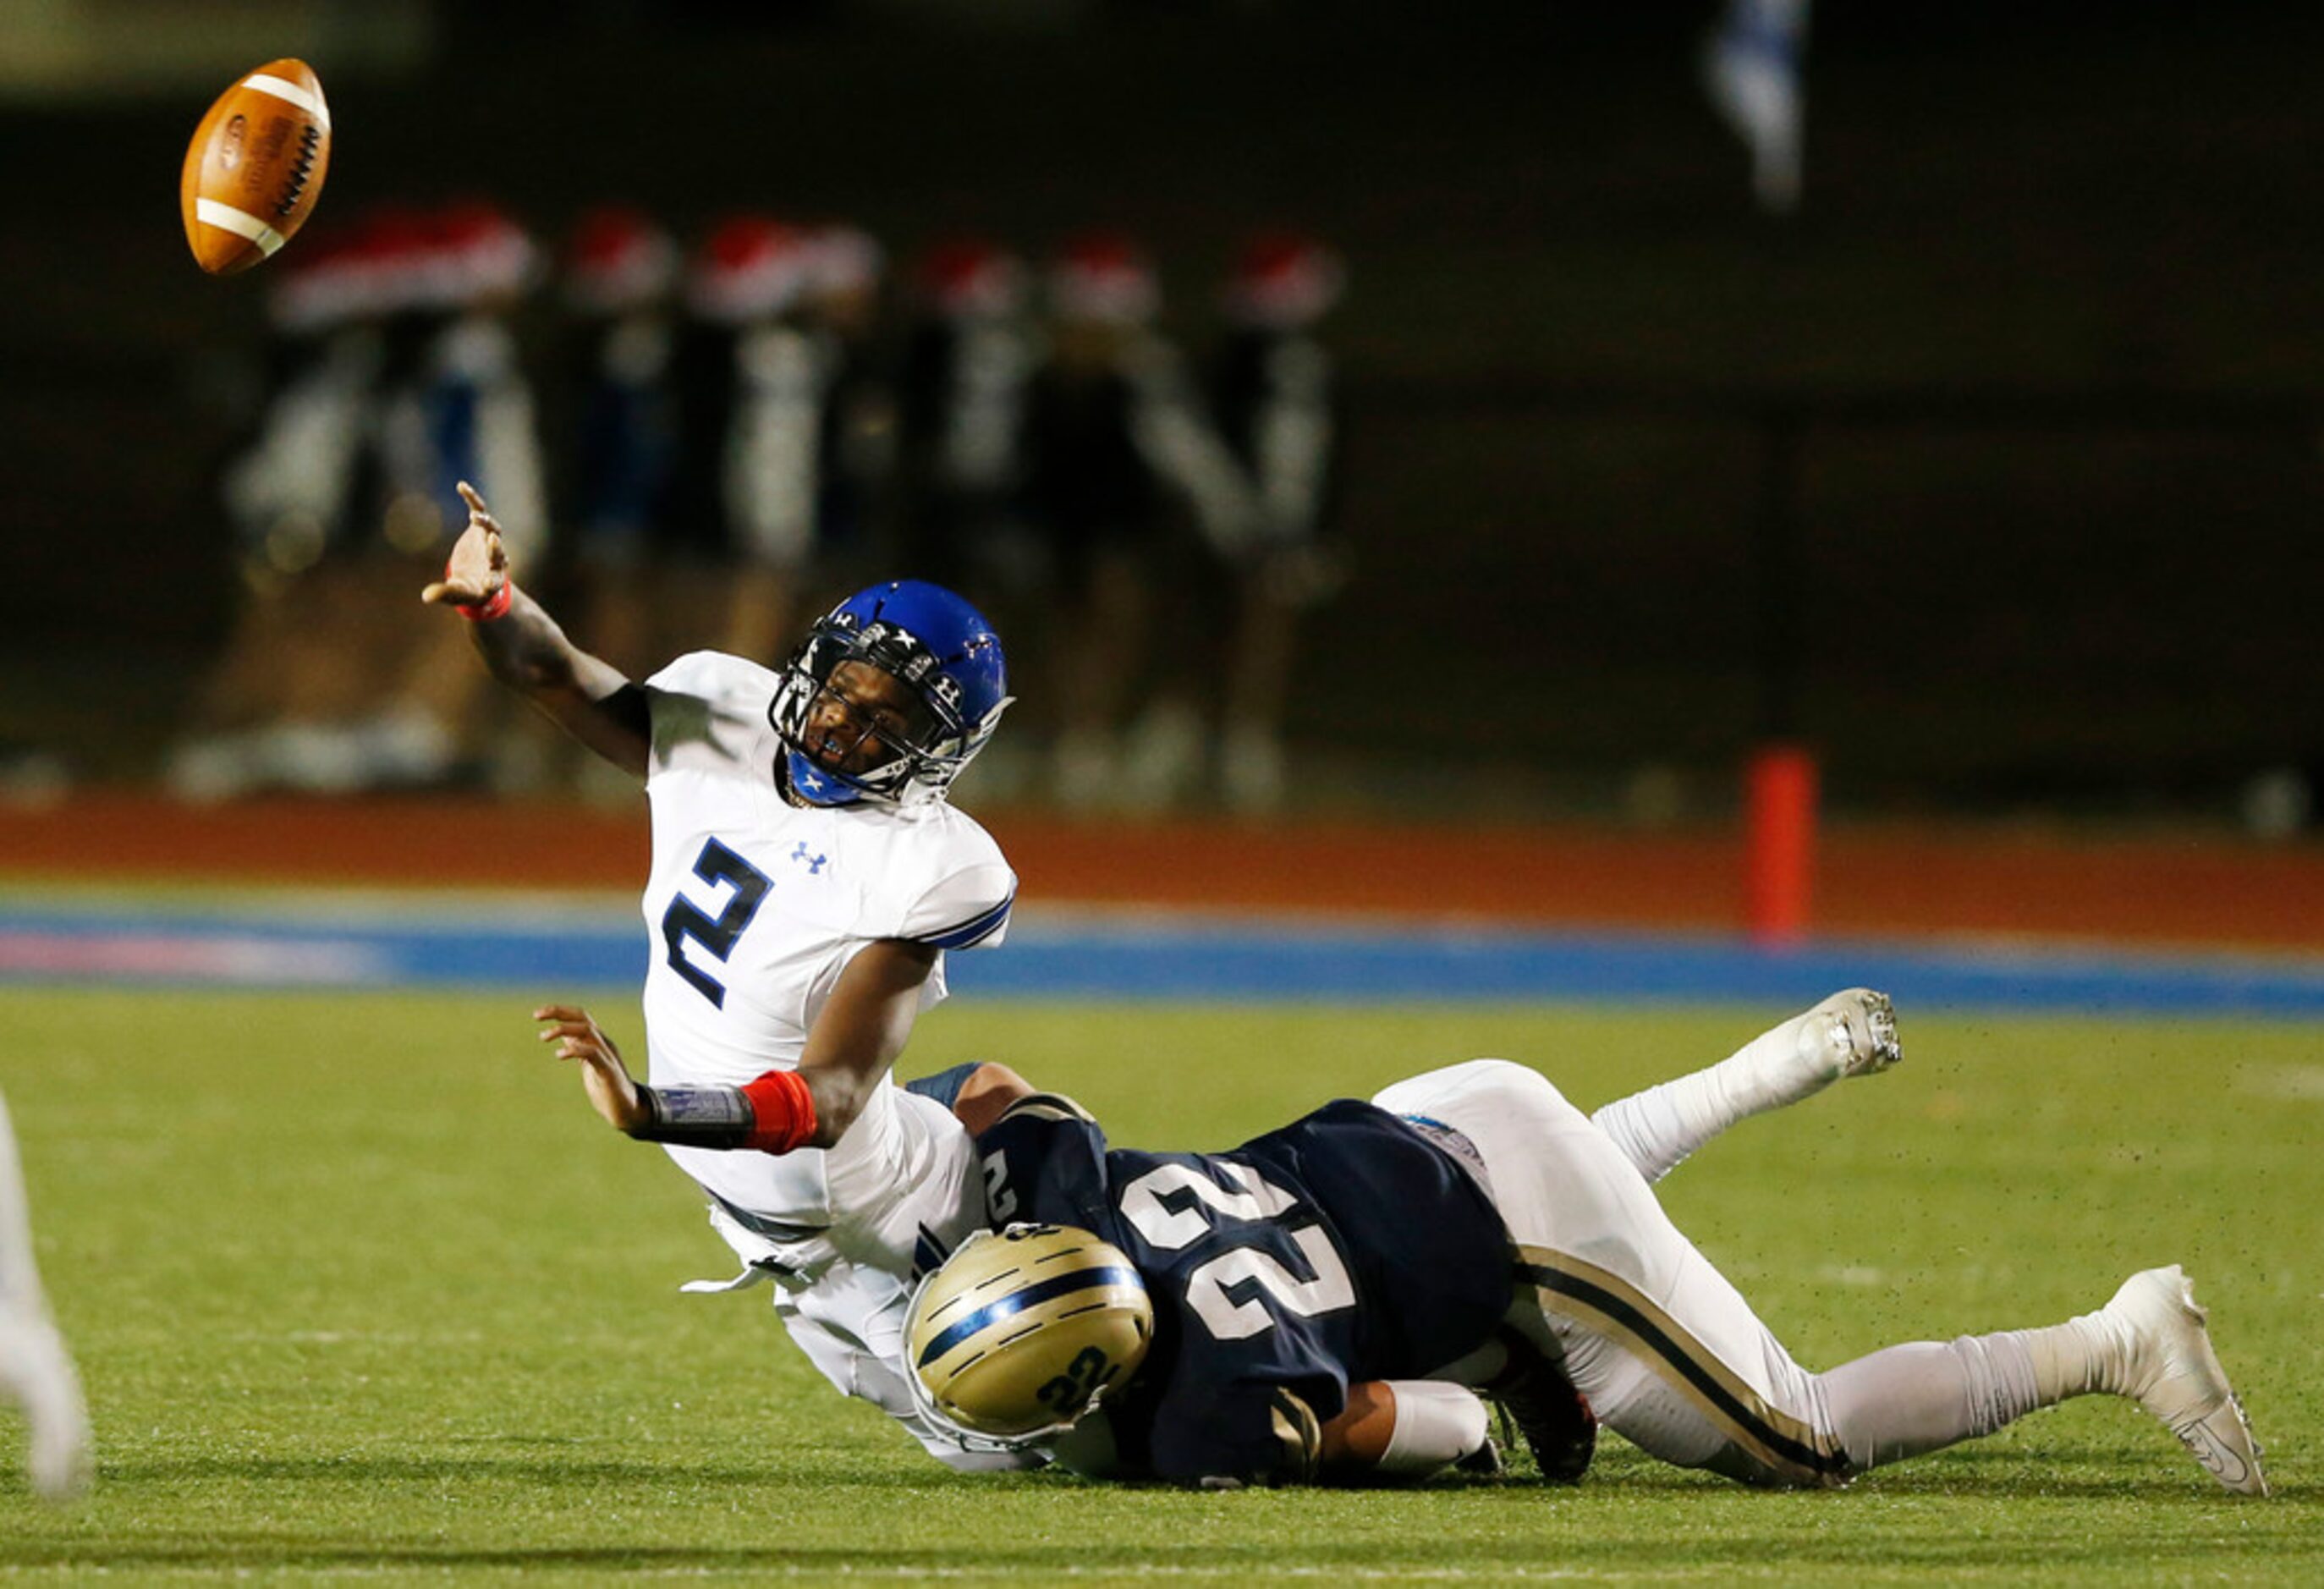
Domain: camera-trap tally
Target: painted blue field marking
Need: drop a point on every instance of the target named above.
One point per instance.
(430, 942)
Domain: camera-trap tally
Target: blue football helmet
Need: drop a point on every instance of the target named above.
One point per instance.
(939, 648)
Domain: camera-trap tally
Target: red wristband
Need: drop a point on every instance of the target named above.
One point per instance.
(493, 606)
(782, 1111)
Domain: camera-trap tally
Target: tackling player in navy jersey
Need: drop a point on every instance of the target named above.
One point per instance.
(1269, 1268)
(1242, 1317)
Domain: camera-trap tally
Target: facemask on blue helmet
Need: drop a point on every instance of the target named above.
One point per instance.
(848, 736)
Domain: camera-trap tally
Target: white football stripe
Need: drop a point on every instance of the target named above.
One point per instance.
(241, 223)
(282, 89)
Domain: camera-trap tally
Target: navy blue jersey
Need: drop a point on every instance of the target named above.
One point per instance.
(1344, 1247)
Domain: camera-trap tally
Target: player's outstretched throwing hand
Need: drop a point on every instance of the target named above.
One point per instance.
(478, 568)
(606, 1079)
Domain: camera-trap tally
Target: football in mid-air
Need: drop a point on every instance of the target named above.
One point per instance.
(255, 166)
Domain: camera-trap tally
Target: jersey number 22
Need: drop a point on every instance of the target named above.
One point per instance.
(1260, 1202)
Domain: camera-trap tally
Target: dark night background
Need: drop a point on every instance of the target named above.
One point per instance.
(2042, 351)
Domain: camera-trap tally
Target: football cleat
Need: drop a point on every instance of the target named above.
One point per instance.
(1851, 1033)
(1855, 1031)
(2173, 1373)
(1555, 1418)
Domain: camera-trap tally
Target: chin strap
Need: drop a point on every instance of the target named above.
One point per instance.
(804, 782)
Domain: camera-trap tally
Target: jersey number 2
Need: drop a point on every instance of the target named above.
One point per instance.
(685, 919)
(1260, 1202)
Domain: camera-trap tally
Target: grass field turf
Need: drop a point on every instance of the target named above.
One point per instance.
(360, 1287)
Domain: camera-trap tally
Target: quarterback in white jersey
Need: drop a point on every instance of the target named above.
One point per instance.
(757, 907)
(809, 876)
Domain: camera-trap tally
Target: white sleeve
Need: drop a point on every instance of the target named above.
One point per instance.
(709, 674)
(709, 710)
(967, 910)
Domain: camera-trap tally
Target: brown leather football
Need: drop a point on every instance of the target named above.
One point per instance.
(255, 167)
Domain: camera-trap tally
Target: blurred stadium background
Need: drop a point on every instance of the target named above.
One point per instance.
(2024, 397)
(1991, 476)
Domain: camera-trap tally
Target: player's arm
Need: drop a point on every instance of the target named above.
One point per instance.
(861, 1029)
(987, 1095)
(588, 697)
(621, 1102)
(977, 1092)
(1263, 1433)
(1402, 1428)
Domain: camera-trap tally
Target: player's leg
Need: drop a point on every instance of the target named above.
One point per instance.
(849, 1323)
(905, 1188)
(36, 1371)
(1664, 1349)
(1671, 1355)
(2150, 1344)
(1850, 1033)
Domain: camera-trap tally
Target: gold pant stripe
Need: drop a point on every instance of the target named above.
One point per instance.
(1611, 1306)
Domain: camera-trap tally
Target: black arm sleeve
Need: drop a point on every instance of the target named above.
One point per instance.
(696, 1117)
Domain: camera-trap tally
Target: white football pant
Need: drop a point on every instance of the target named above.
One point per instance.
(1667, 1352)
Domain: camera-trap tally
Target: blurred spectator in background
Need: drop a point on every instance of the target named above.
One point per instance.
(1129, 481)
(967, 370)
(467, 412)
(856, 464)
(722, 467)
(619, 443)
(1273, 391)
(620, 273)
(397, 376)
(291, 496)
(752, 393)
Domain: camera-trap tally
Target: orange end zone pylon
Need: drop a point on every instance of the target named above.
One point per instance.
(1779, 840)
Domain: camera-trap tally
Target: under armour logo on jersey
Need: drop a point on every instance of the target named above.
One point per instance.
(814, 862)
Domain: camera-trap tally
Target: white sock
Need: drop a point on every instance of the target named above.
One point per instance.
(1658, 1128)
(1927, 1395)
(1436, 1424)
(2087, 1356)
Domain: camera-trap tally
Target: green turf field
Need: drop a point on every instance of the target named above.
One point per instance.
(360, 1287)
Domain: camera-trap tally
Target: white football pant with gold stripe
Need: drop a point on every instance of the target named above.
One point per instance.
(1668, 1352)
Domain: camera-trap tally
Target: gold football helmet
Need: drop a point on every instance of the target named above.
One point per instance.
(1019, 1334)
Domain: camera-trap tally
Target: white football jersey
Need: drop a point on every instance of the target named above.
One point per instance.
(753, 909)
